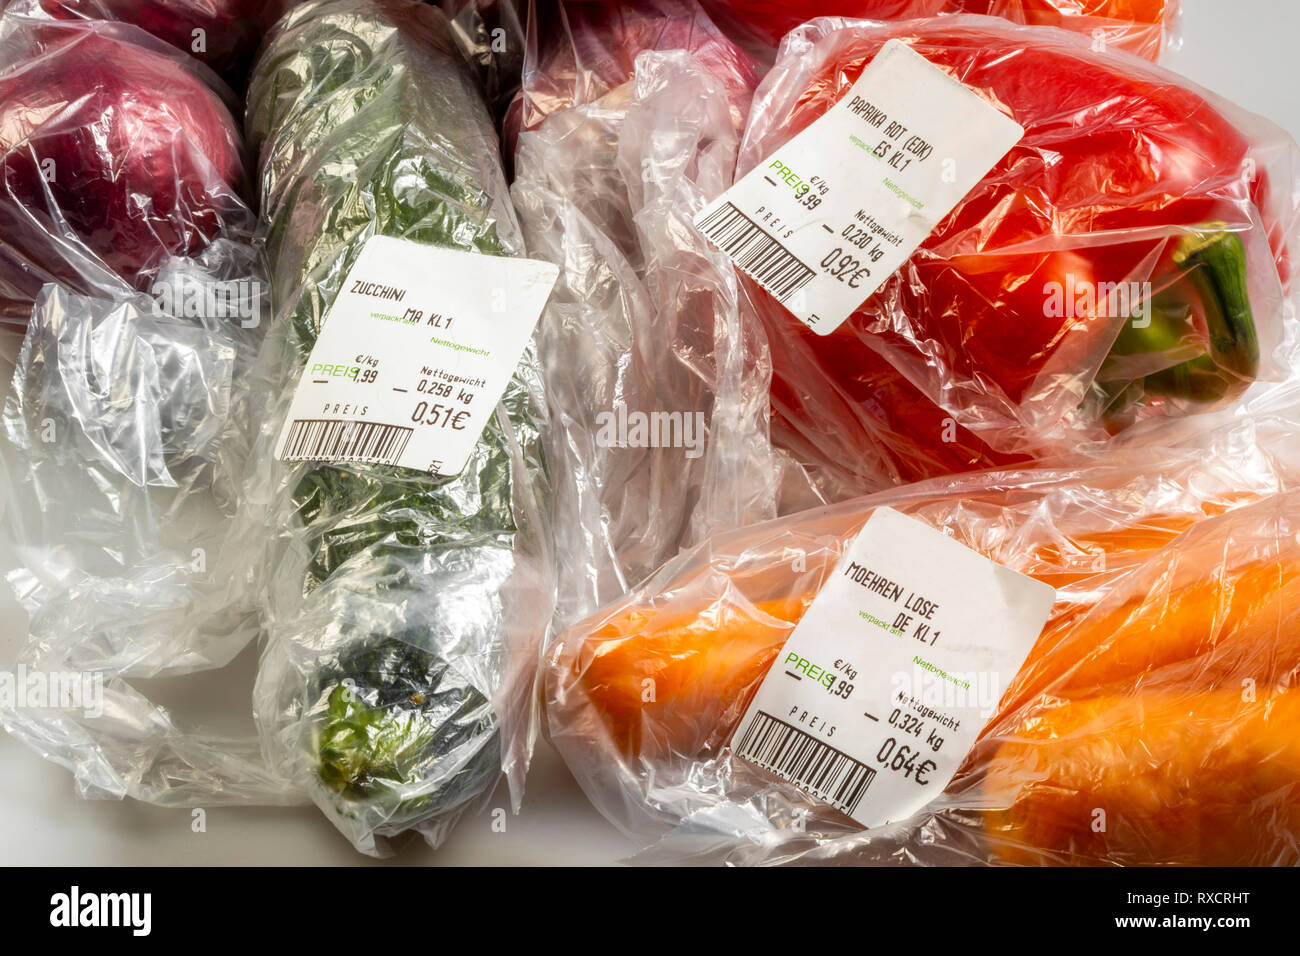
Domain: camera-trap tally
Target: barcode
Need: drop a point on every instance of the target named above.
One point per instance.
(757, 253)
(318, 439)
(811, 764)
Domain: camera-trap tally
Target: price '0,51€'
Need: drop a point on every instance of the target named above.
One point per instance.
(440, 416)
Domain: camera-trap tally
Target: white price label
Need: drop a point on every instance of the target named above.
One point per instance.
(413, 356)
(825, 220)
(887, 681)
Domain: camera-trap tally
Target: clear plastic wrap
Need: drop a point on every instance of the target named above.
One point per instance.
(126, 437)
(115, 155)
(127, 430)
(579, 50)
(1006, 337)
(405, 610)
(1143, 27)
(1158, 690)
(658, 430)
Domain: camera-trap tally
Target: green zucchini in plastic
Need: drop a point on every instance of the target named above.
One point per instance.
(404, 608)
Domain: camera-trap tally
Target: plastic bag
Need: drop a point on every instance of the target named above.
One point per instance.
(115, 155)
(127, 430)
(126, 437)
(658, 430)
(1007, 336)
(1175, 577)
(580, 50)
(404, 609)
(1143, 27)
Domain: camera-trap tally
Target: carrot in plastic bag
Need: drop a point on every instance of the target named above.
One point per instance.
(678, 677)
(674, 680)
(1160, 728)
(1178, 595)
(1227, 618)
(1163, 777)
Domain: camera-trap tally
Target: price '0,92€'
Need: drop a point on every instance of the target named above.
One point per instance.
(845, 267)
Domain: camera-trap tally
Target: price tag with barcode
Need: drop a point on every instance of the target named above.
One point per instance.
(888, 679)
(413, 356)
(827, 218)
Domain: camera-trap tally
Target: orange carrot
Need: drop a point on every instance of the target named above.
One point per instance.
(677, 680)
(679, 677)
(1240, 621)
(1197, 779)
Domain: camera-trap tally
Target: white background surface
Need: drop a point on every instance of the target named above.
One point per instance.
(1245, 50)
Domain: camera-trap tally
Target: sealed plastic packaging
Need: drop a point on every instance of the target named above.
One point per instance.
(115, 155)
(1124, 265)
(405, 609)
(1143, 27)
(1158, 691)
(657, 389)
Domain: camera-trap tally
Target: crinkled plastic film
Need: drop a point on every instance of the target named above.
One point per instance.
(405, 612)
(579, 50)
(644, 329)
(1143, 27)
(1159, 689)
(404, 609)
(116, 154)
(126, 432)
(984, 349)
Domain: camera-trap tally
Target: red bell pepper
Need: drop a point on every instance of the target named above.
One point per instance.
(963, 359)
(1137, 26)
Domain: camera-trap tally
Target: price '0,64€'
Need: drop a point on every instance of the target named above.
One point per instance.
(901, 758)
